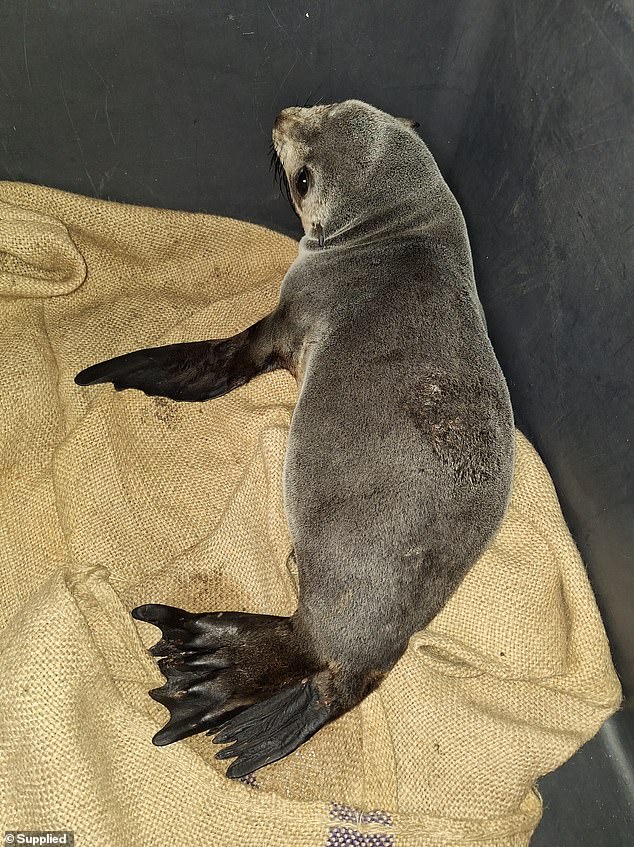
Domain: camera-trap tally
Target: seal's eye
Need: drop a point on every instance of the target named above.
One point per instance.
(302, 182)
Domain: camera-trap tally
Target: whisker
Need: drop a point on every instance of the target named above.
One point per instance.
(279, 174)
(312, 94)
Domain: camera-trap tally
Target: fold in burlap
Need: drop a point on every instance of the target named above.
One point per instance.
(110, 500)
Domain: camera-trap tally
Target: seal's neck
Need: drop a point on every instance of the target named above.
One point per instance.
(401, 220)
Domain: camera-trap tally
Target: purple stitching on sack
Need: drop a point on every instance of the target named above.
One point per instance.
(377, 817)
(343, 836)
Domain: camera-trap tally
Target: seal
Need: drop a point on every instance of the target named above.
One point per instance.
(400, 450)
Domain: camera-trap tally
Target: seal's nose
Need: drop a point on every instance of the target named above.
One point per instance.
(287, 118)
(281, 121)
(287, 123)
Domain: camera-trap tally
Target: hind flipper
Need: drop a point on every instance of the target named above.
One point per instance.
(217, 664)
(192, 371)
(272, 729)
(248, 680)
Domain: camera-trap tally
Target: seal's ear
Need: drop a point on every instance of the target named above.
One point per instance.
(408, 122)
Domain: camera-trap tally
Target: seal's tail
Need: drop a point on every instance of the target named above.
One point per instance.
(246, 680)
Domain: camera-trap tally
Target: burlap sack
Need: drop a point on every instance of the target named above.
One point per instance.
(110, 500)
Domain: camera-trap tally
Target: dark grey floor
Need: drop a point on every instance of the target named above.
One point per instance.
(590, 800)
(528, 108)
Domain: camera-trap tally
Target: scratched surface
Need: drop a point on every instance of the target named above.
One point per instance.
(528, 109)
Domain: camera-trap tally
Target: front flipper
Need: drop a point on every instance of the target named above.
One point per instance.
(191, 371)
(242, 676)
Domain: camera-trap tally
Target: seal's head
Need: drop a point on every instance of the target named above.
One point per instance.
(346, 163)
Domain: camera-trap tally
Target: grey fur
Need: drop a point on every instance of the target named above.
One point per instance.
(400, 452)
